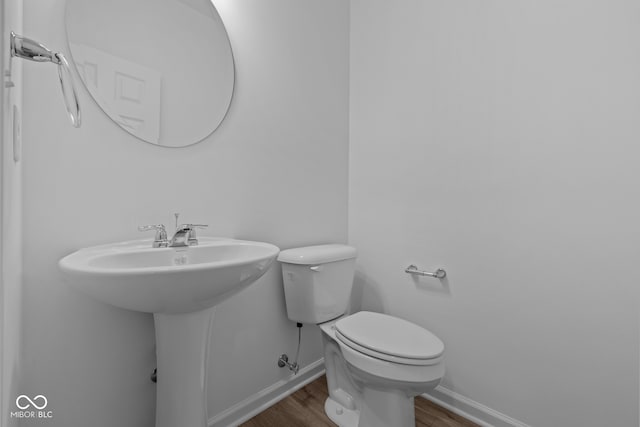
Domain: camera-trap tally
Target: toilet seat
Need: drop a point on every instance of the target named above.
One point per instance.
(389, 338)
(385, 370)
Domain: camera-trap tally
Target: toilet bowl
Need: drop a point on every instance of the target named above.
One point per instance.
(373, 388)
(375, 363)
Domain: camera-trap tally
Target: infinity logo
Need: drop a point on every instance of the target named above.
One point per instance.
(33, 403)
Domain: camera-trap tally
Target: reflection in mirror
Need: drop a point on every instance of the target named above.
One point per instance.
(161, 69)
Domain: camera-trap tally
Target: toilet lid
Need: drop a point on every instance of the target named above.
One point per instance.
(388, 335)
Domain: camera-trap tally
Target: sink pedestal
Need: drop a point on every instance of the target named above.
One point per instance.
(136, 276)
(182, 347)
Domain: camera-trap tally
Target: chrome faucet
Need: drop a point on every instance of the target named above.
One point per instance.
(181, 236)
(185, 235)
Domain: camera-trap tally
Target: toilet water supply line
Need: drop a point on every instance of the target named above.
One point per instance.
(284, 359)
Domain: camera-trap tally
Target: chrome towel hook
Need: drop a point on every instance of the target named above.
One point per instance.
(438, 274)
(25, 48)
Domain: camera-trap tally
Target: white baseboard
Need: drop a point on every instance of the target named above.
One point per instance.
(470, 409)
(258, 402)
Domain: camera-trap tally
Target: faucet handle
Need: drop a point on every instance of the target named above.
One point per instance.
(157, 227)
(193, 239)
(160, 240)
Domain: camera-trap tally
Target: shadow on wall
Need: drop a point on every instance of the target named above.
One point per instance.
(365, 294)
(428, 284)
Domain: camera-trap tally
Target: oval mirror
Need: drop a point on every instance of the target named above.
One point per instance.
(161, 69)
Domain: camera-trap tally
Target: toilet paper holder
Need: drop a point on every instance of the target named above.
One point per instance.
(438, 274)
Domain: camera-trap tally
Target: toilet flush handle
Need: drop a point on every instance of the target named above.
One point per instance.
(315, 268)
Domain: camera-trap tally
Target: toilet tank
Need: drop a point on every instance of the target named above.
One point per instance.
(317, 281)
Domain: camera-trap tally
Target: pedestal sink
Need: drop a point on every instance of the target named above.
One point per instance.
(181, 287)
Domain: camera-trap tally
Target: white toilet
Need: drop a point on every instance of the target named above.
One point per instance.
(375, 363)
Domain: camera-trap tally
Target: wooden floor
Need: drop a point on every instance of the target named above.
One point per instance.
(305, 408)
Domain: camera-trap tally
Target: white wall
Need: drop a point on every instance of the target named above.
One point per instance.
(500, 141)
(11, 228)
(275, 171)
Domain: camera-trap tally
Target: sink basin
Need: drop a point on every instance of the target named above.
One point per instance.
(181, 287)
(135, 276)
